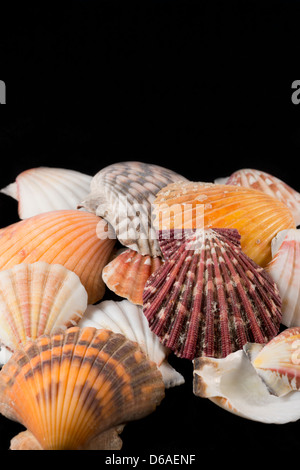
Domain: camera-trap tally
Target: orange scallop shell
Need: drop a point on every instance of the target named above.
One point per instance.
(69, 388)
(75, 239)
(257, 216)
(127, 274)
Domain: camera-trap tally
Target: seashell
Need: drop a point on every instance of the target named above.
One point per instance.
(45, 189)
(285, 270)
(128, 319)
(37, 299)
(69, 388)
(122, 193)
(209, 298)
(80, 241)
(277, 363)
(233, 384)
(126, 275)
(268, 184)
(257, 216)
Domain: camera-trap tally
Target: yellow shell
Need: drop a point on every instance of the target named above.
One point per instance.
(257, 216)
(69, 388)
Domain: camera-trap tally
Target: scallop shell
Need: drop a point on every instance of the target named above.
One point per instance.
(126, 275)
(233, 384)
(269, 184)
(285, 270)
(68, 388)
(80, 241)
(257, 216)
(122, 193)
(37, 299)
(45, 189)
(278, 362)
(209, 298)
(128, 319)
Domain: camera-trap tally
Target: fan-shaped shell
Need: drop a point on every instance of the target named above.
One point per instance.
(233, 384)
(68, 388)
(128, 319)
(278, 362)
(209, 298)
(285, 270)
(257, 216)
(126, 275)
(45, 189)
(37, 299)
(269, 184)
(122, 193)
(80, 241)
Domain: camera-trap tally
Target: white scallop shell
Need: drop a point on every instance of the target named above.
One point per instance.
(45, 189)
(233, 384)
(128, 319)
(285, 271)
(123, 193)
(37, 299)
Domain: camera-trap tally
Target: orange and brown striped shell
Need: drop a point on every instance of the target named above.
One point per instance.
(257, 216)
(68, 388)
(75, 239)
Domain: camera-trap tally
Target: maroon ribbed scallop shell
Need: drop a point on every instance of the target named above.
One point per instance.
(209, 298)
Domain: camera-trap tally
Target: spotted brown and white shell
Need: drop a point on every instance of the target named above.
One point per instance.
(122, 193)
(69, 388)
(209, 298)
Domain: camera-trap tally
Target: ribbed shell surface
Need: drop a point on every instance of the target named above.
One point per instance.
(68, 388)
(209, 298)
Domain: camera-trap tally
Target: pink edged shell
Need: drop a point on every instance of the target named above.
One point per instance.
(45, 189)
(123, 193)
(126, 275)
(278, 362)
(268, 184)
(209, 298)
(285, 270)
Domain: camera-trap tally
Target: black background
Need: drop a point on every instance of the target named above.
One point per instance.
(201, 87)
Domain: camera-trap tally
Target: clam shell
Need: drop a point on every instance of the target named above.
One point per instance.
(68, 388)
(209, 298)
(122, 193)
(45, 189)
(37, 299)
(257, 216)
(233, 384)
(128, 319)
(277, 363)
(80, 241)
(126, 275)
(285, 270)
(269, 184)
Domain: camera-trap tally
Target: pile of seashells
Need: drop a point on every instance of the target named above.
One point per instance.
(209, 272)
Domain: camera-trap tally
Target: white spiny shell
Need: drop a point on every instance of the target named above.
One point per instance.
(128, 319)
(285, 270)
(45, 189)
(233, 384)
(37, 299)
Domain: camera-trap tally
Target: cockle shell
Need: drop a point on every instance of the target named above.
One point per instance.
(233, 384)
(278, 362)
(285, 270)
(126, 275)
(209, 298)
(257, 216)
(68, 388)
(128, 319)
(80, 241)
(122, 193)
(269, 184)
(37, 299)
(45, 189)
